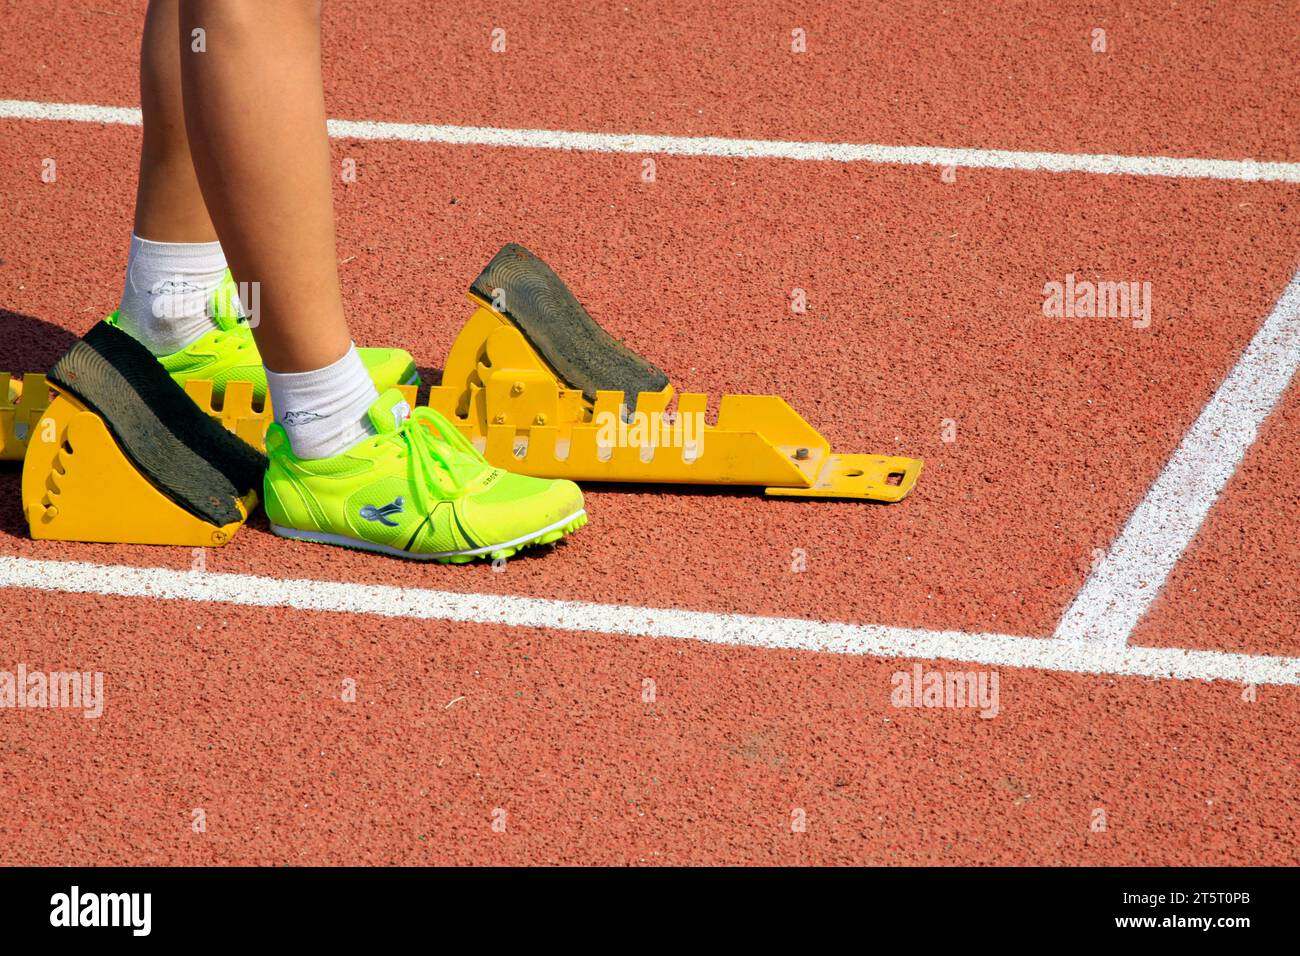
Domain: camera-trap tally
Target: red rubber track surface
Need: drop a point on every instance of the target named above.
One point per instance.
(1193, 78)
(236, 712)
(924, 305)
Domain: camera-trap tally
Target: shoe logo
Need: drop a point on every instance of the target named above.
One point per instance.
(371, 513)
(301, 418)
(401, 412)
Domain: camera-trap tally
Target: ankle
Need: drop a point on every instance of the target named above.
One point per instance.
(164, 302)
(324, 412)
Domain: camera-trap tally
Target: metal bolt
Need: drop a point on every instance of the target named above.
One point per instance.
(539, 420)
(499, 420)
(801, 454)
(517, 388)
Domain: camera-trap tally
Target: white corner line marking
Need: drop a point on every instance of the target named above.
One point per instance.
(995, 650)
(1243, 170)
(1124, 584)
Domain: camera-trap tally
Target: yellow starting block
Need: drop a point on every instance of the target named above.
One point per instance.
(540, 388)
(120, 455)
(81, 487)
(506, 400)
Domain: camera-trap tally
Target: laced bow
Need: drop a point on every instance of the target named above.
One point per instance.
(446, 462)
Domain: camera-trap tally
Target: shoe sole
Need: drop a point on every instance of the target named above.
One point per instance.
(548, 535)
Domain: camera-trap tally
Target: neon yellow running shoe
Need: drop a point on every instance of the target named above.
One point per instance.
(228, 353)
(417, 489)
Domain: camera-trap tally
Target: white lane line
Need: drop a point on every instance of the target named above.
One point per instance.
(1125, 583)
(70, 112)
(1244, 170)
(996, 650)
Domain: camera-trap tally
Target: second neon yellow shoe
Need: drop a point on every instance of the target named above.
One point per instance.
(229, 354)
(416, 489)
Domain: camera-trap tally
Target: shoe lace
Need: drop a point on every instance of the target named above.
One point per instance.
(436, 460)
(242, 332)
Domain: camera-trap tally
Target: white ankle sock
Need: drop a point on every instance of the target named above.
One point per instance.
(168, 285)
(324, 412)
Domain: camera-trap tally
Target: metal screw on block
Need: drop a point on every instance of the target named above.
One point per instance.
(801, 454)
(539, 420)
(219, 538)
(499, 420)
(517, 388)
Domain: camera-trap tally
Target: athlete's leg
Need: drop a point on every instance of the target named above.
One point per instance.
(168, 204)
(255, 112)
(175, 262)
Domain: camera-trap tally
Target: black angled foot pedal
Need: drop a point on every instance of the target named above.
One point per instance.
(523, 288)
(123, 454)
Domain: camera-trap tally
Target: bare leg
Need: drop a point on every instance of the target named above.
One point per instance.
(175, 262)
(255, 116)
(168, 204)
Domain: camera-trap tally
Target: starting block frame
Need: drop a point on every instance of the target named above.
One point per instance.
(501, 387)
(517, 411)
(505, 399)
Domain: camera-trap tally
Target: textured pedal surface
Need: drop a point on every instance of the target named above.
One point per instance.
(523, 288)
(185, 454)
